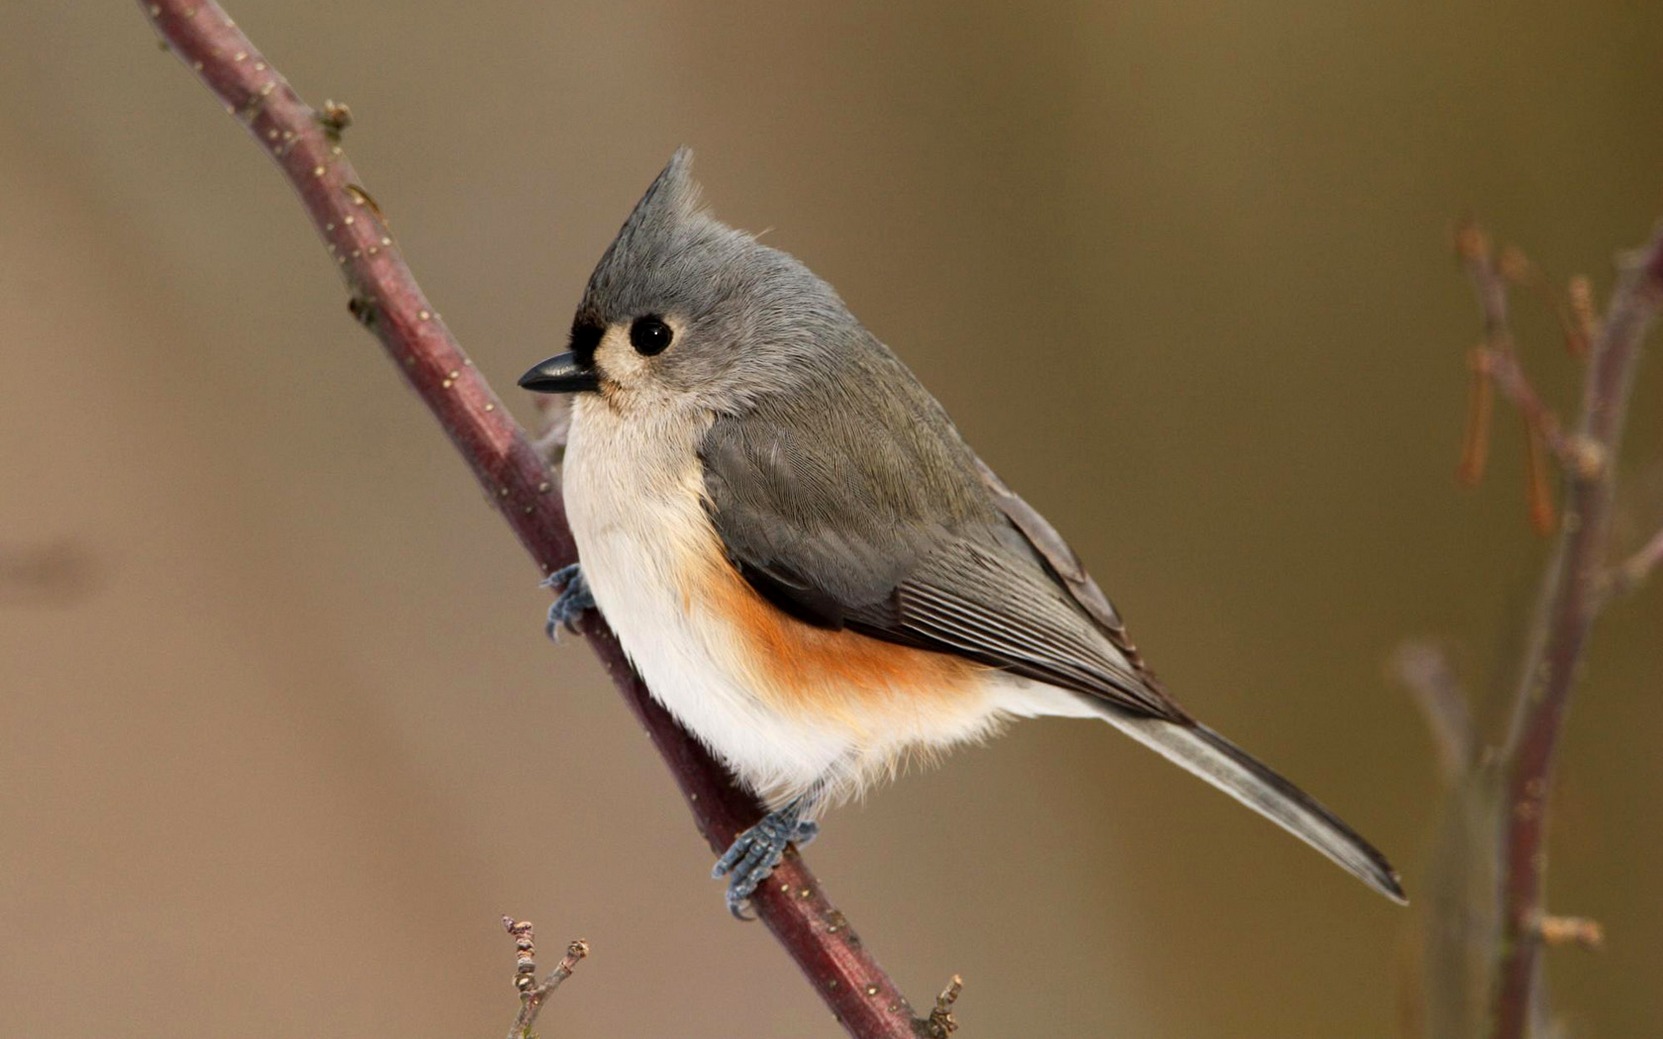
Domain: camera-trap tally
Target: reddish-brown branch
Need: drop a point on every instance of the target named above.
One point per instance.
(385, 298)
(1571, 596)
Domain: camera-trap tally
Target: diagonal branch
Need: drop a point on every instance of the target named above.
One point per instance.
(304, 143)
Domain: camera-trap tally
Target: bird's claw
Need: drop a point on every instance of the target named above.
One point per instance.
(571, 604)
(754, 854)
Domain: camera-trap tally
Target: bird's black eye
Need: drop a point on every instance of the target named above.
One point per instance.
(650, 335)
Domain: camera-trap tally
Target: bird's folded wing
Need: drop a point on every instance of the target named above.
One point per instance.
(910, 546)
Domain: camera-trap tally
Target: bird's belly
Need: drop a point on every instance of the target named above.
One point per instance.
(789, 707)
(643, 541)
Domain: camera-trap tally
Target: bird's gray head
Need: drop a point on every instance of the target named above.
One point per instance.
(684, 312)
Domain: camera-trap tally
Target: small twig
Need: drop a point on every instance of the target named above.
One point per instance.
(1472, 247)
(1496, 361)
(1475, 441)
(1571, 930)
(1503, 367)
(1632, 572)
(1425, 671)
(941, 1024)
(1543, 517)
(1572, 312)
(533, 994)
(1584, 316)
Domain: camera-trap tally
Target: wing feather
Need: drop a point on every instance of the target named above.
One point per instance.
(898, 537)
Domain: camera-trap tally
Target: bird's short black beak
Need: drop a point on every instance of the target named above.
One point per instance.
(560, 375)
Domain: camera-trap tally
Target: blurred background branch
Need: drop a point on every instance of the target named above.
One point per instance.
(54, 573)
(1486, 920)
(384, 297)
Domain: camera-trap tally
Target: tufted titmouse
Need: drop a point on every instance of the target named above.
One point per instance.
(808, 565)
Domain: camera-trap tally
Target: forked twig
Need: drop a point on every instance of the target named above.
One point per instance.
(1495, 362)
(534, 993)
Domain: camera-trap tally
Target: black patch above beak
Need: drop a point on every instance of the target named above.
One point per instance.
(560, 374)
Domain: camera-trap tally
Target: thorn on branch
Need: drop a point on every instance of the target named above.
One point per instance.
(362, 307)
(334, 119)
(941, 1023)
(1571, 930)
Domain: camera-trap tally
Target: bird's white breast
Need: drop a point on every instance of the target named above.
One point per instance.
(633, 488)
(634, 492)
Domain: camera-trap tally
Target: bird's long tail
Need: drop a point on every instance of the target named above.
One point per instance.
(1200, 750)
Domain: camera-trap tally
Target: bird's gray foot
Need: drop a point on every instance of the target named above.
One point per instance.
(573, 601)
(756, 852)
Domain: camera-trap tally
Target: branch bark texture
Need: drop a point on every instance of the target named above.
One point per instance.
(384, 296)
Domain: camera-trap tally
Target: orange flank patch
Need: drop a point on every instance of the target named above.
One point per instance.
(840, 676)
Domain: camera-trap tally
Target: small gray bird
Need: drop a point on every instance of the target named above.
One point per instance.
(808, 565)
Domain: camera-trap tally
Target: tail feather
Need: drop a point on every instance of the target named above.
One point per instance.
(1205, 753)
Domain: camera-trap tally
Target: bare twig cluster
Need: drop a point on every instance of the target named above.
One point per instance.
(304, 143)
(1487, 922)
(534, 993)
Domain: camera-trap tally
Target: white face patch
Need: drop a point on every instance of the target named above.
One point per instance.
(617, 359)
(627, 376)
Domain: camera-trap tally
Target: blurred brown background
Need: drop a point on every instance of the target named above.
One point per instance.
(290, 739)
